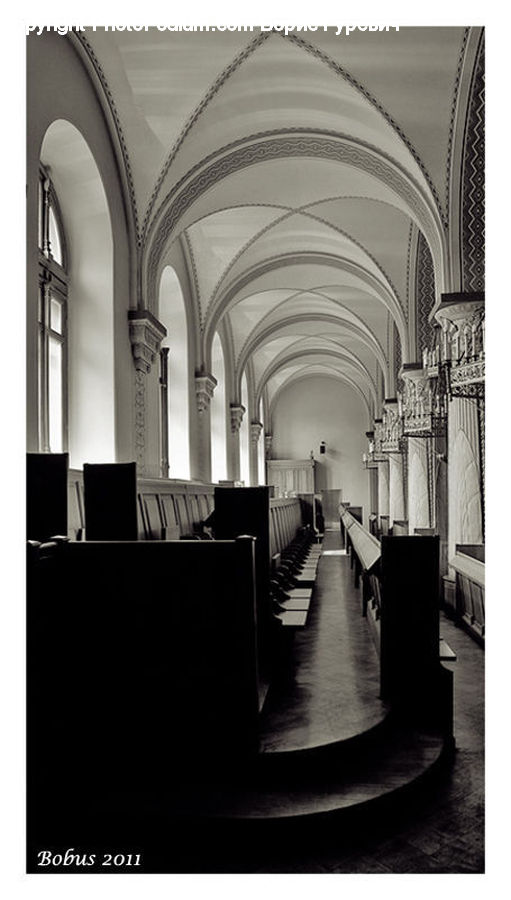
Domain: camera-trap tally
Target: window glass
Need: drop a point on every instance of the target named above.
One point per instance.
(55, 394)
(55, 245)
(56, 315)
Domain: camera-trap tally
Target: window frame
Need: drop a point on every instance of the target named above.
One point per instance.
(53, 284)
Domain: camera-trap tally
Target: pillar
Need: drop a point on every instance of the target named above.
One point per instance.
(233, 455)
(205, 385)
(146, 334)
(461, 317)
(255, 434)
(383, 489)
(396, 487)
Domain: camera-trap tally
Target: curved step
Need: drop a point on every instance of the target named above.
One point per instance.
(346, 782)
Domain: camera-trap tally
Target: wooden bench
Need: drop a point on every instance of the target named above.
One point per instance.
(277, 526)
(166, 509)
(134, 676)
(400, 598)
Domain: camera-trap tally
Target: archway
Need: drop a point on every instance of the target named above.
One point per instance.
(90, 340)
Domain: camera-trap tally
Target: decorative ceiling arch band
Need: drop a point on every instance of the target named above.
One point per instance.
(267, 323)
(292, 145)
(383, 294)
(339, 70)
(301, 211)
(273, 330)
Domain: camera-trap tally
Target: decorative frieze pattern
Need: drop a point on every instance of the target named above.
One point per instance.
(473, 185)
(422, 405)
(267, 146)
(392, 431)
(425, 293)
(140, 416)
(461, 344)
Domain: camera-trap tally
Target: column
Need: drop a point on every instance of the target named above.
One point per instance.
(255, 433)
(146, 334)
(233, 457)
(205, 385)
(461, 316)
(383, 489)
(396, 491)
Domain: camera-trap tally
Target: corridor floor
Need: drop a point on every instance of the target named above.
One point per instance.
(444, 831)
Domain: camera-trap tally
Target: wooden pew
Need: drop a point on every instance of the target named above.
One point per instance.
(274, 524)
(166, 509)
(134, 677)
(47, 477)
(469, 565)
(110, 495)
(400, 597)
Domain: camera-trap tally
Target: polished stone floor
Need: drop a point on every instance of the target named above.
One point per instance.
(439, 829)
(442, 831)
(330, 692)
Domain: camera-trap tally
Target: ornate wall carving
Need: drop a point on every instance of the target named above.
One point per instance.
(140, 389)
(425, 295)
(473, 185)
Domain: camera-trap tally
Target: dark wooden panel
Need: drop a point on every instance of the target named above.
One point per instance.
(47, 476)
(149, 671)
(247, 511)
(409, 653)
(110, 491)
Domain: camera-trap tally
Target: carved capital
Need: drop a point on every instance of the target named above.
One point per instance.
(458, 309)
(255, 431)
(237, 413)
(146, 335)
(204, 389)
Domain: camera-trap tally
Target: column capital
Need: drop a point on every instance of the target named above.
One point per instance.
(204, 389)
(237, 413)
(146, 335)
(255, 431)
(268, 440)
(457, 309)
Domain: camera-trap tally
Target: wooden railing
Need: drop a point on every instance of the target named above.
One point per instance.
(469, 565)
(165, 508)
(400, 598)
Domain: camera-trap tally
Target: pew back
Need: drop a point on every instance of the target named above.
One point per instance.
(165, 509)
(151, 668)
(47, 475)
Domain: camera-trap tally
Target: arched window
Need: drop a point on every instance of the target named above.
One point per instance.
(52, 319)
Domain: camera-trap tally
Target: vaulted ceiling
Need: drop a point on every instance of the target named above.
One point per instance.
(293, 170)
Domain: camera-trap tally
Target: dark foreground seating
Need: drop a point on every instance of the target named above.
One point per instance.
(141, 662)
(400, 598)
(281, 553)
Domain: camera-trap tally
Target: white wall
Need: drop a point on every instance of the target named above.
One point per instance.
(324, 409)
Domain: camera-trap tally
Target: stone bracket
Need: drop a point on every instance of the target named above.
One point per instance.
(146, 335)
(204, 389)
(237, 413)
